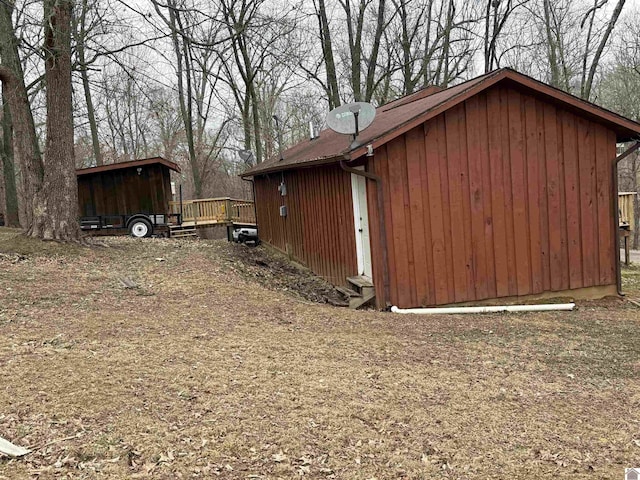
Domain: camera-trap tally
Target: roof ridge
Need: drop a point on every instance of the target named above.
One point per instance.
(394, 121)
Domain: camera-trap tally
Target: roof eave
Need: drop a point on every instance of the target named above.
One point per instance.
(130, 164)
(292, 166)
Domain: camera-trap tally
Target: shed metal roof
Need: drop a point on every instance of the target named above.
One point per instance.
(131, 164)
(399, 116)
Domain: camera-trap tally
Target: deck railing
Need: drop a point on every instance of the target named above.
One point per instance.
(211, 211)
(625, 207)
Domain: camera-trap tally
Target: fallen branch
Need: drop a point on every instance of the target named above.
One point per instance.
(53, 442)
(637, 304)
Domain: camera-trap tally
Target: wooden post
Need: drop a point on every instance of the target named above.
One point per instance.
(181, 212)
(227, 212)
(625, 233)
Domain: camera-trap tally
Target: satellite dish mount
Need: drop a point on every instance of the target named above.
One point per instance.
(351, 119)
(355, 109)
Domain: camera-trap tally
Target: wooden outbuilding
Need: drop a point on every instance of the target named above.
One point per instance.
(112, 196)
(501, 187)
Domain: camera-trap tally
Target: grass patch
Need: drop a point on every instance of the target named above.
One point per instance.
(12, 241)
(631, 279)
(208, 370)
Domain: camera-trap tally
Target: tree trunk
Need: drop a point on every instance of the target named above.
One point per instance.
(604, 40)
(373, 60)
(552, 47)
(182, 69)
(25, 141)
(327, 50)
(6, 154)
(56, 204)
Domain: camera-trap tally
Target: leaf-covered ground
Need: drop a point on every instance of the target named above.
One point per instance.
(205, 369)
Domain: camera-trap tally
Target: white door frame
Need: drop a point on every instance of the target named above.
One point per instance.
(361, 224)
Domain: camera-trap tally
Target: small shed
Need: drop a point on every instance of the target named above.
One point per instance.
(501, 187)
(109, 195)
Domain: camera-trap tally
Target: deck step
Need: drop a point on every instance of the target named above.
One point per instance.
(347, 292)
(359, 301)
(178, 231)
(363, 293)
(360, 281)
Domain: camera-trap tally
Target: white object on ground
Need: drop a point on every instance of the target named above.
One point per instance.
(487, 309)
(12, 450)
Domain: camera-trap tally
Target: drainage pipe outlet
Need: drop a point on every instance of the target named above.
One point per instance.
(487, 309)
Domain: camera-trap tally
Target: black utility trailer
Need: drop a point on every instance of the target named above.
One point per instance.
(128, 197)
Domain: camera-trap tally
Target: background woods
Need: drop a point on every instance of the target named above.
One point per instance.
(196, 81)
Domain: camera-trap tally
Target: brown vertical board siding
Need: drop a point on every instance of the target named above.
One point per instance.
(333, 231)
(615, 254)
(604, 163)
(124, 192)
(377, 266)
(475, 142)
(428, 266)
(320, 198)
(507, 190)
(311, 239)
(323, 211)
(342, 224)
(483, 152)
(422, 269)
(564, 236)
(383, 157)
(297, 223)
(396, 157)
(409, 240)
(533, 161)
(501, 257)
(544, 202)
(446, 204)
(456, 205)
(588, 214)
(519, 189)
(466, 202)
(317, 199)
(441, 273)
(572, 197)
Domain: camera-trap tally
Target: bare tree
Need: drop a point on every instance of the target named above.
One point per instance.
(56, 213)
(590, 62)
(80, 33)
(51, 185)
(12, 218)
(497, 15)
(25, 141)
(331, 84)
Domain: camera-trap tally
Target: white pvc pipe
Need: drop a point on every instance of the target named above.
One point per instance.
(487, 309)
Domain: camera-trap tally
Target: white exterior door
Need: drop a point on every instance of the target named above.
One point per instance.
(361, 224)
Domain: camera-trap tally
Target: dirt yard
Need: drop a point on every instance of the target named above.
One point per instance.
(209, 367)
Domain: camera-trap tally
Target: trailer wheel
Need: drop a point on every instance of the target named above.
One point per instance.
(140, 228)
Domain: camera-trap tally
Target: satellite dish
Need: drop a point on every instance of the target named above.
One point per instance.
(352, 118)
(246, 156)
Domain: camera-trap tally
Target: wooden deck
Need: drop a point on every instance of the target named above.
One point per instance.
(215, 211)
